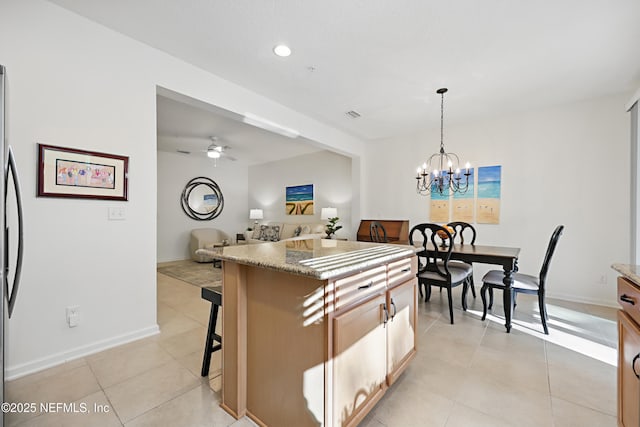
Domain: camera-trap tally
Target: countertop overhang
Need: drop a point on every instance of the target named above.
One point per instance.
(630, 271)
(316, 258)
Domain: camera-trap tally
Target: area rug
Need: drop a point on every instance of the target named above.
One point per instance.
(196, 273)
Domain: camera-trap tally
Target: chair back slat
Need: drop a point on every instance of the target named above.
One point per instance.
(427, 235)
(377, 233)
(550, 250)
(461, 230)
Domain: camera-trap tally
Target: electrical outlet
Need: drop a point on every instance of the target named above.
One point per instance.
(73, 316)
(603, 279)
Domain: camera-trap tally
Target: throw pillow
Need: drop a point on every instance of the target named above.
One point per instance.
(306, 230)
(256, 233)
(270, 233)
(297, 231)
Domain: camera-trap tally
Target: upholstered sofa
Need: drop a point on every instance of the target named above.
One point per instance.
(275, 231)
(205, 238)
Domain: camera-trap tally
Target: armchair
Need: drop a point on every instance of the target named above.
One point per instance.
(205, 238)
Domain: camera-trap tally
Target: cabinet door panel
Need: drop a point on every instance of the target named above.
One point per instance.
(401, 328)
(628, 383)
(359, 362)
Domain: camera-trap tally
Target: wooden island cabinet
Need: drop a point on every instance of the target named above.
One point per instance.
(315, 331)
(628, 345)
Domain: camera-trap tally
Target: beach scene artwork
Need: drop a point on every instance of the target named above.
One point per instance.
(488, 199)
(463, 203)
(299, 200)
(439, 210)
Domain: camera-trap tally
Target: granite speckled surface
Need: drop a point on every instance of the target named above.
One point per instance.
(630, 271)
(317, 258)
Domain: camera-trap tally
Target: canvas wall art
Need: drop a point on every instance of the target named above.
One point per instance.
(439, 210)
(489, 188)
(463, 206)
(299, 200)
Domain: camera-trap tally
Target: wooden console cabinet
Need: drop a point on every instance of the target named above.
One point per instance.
(397, 230)
(308, 351)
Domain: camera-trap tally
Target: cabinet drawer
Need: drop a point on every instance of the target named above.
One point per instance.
(403, 270)
(629, 298)
(352, 289)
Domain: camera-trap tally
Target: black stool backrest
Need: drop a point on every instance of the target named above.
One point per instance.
(550, 250)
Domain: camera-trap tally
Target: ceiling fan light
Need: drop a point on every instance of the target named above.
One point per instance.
(214, 154)
(282, 50)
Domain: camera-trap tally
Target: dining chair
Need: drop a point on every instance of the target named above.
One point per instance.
(524, 283)
(377, 233)
(461, 230)
(433, 272)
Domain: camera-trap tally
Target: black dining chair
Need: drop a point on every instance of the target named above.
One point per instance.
(377, 233)
(464, 233)
(437, 269)
(524, 283)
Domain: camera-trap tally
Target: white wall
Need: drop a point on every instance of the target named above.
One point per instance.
(74, 83)
(564, 165)
(331, 175)
(174, 226)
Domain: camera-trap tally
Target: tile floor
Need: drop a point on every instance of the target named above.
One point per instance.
(468, 374)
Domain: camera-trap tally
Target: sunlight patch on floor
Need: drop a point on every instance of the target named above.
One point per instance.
(560, 337)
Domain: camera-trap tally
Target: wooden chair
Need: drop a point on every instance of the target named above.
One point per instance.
(437, 270)
(460, 231)
(524, 283)
(377, 233)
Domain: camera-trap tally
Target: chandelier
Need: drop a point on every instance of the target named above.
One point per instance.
(441, 172)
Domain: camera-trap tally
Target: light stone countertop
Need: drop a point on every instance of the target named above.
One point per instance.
(317, 258)
(630, 271)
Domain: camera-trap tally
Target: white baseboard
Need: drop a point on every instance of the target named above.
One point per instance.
(579, 299)
(13, 372)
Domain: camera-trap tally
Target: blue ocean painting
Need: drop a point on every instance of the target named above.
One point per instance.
(299, 193)
(489, 180)
(469, 194)
(435, 194)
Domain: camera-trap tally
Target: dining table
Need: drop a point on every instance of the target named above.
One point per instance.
(507, 257)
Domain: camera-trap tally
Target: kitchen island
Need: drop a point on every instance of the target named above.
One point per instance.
(315, 331)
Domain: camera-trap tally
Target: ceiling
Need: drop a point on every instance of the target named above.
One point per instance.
(385, 59)
(187, 125)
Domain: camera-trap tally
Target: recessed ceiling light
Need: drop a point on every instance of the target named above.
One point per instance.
(282, 50)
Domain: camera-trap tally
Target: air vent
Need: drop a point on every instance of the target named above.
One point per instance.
(353, 114)
(183, 152)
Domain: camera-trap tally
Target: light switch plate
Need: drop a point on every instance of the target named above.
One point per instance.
(116, 214)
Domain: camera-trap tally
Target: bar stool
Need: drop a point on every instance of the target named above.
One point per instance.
(213, 294)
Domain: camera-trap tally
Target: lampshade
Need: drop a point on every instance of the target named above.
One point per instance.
(328, 213)
(255, 214)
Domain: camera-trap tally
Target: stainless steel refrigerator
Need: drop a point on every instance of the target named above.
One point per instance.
(9, 254)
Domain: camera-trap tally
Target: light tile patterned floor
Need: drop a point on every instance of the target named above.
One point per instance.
(465, 375)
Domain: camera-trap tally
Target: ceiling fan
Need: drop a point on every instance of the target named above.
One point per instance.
(216, 151)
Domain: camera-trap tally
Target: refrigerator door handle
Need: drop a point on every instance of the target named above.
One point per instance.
(11, 167)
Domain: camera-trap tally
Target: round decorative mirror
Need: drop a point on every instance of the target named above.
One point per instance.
(202, 199)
